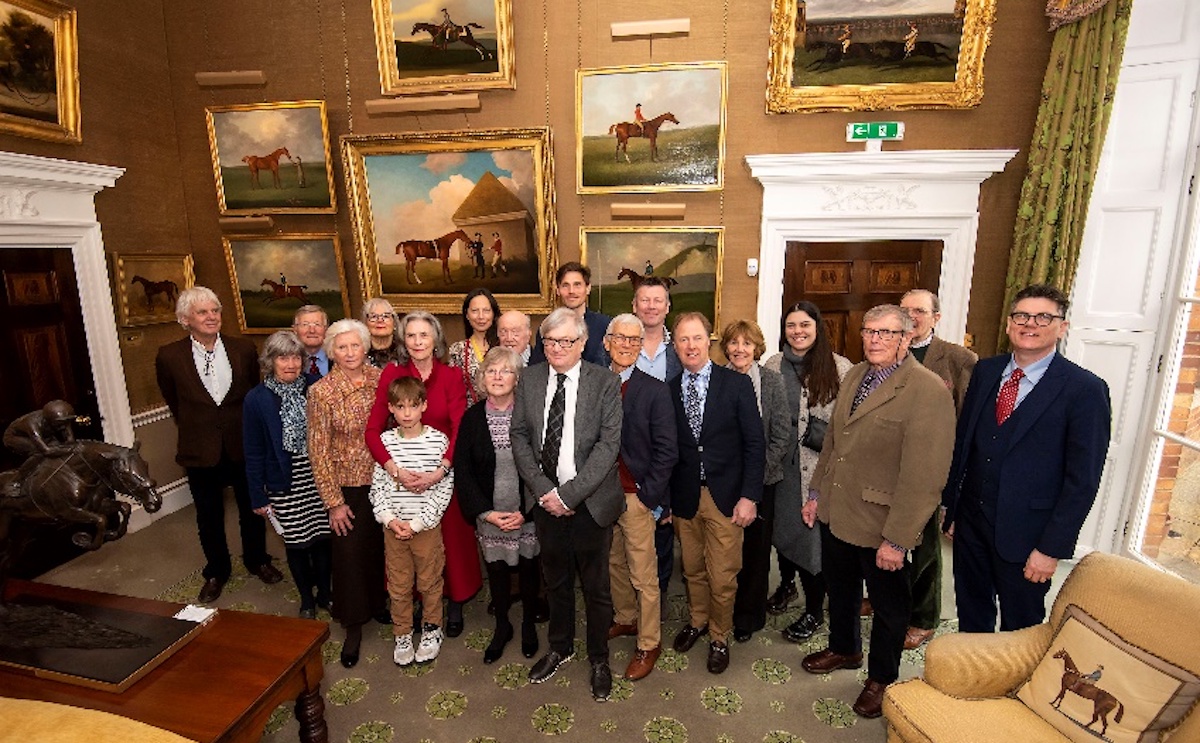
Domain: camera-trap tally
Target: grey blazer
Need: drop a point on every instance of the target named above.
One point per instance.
(597, 441)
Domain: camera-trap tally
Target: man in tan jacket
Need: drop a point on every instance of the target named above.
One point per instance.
(878, 481)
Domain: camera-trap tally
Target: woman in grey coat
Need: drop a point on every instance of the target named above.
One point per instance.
(743, 345)
(811, 373)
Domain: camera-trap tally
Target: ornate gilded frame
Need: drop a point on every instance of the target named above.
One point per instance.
(236, 192)
(608, 251)
(965, 91)
(607, 94)
(262, 308)
(153, 268)
(66, 126)
(433, 164)
(446, 78)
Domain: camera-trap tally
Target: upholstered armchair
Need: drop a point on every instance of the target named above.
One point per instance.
(967, 692)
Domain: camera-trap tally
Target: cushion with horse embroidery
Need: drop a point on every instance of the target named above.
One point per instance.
(1093, 685)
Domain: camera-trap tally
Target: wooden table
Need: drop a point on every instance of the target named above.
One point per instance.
(221, 686)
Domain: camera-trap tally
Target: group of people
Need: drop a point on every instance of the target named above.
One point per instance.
(584, 451)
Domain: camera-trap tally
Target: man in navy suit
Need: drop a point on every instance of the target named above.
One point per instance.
(573, 282)
(716, 485)
(649, 450)
(1028, 457)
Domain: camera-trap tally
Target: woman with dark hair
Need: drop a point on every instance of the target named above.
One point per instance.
(480, 310)
(275, 438)
(743, 345)
(490, 491)
(424, 358)
(811, 374)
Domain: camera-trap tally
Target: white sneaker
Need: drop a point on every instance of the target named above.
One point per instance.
(431, 643)
(404, 654)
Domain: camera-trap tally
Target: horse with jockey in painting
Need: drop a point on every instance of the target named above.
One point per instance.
(43, 433)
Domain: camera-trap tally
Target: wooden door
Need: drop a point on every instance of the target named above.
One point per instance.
(845, 279)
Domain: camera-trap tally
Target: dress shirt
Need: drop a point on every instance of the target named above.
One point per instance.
(1033, 374)
(702, 377)
(566, 454)
(322, 361)
(213, 367)
(625, 375)
(656, 366)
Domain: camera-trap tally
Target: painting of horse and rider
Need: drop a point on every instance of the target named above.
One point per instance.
(148, 285)
(651, 128)
(273, 277)
(272, 158)
(451, 45)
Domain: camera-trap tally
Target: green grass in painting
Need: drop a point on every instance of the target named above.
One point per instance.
(685, 157)
(240, 195)
(521, 279)
(864, 72)
(421, 59)
(278, 314)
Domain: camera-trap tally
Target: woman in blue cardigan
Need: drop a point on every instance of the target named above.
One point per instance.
(278, 471)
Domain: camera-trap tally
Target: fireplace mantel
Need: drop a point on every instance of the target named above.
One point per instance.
(856, 196)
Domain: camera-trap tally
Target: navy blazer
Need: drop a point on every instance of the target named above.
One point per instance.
(268, 464)
(649, 442)
(593, 351)
(731, 445)
(1055, 457)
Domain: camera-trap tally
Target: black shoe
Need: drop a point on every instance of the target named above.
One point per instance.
(742, 635)
(543, 610)
(454, 618)
(210, 591)
(601, 681)
(545, 668)
(718, 657)
(385, 617)
(495, 648)
(802, 629)
(687, 637)
(308, 612)
(350, 646)
(529, 639)
(454, 629)
(268, 573)
(782, 598)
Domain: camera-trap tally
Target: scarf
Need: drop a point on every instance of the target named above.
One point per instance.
(292, 413)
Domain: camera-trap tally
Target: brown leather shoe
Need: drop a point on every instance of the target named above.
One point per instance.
(621, 630)
(827, 660)
(915, 637)
(210, 591)
(268, 573)
(870, 700)
(642, 663)
(866, 609)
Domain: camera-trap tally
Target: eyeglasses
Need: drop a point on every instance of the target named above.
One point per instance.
(379, 316)
(309, 325)
(881, 334)
(561, 343)
(917, 311)
(1041, 319)
(499, 372)
(627, 340)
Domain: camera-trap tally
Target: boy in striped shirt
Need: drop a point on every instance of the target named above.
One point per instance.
(413, 540)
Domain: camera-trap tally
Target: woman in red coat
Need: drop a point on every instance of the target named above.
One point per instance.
(423, 357)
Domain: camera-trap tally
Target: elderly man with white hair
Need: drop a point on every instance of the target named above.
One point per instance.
(203, 378)
(515, 332)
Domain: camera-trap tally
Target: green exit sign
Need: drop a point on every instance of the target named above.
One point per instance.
(865, 130)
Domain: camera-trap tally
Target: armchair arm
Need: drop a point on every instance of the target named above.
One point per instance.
(985, 665)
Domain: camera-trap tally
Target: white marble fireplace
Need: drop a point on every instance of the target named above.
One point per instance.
(862, 196)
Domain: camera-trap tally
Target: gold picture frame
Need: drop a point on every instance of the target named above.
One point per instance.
(430, 209)
(873, 62)
(470, 47)
(689, 258)
(249, 182)
(147, 285)
(681, 145)
(314, 262)
(41, 72)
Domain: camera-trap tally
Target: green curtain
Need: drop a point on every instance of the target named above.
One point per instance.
(1077, 96)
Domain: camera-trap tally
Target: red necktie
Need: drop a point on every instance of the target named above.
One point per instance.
(312, 366)
(1008, 396)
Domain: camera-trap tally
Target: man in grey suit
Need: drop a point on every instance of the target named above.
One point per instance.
(566, 434)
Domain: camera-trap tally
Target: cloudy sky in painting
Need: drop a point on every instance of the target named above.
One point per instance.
(413, 197)
(693, 95)
(310, 262)
(818, 9)
(241, 133)
(407, 12)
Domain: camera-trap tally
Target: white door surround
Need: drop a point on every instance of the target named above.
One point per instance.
(50, 203)
(860, 196)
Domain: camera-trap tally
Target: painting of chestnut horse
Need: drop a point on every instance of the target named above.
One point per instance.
(627, 130)
(265, 162)
(1102, 702)
(277, 291)
(169, 289)
(437, 248)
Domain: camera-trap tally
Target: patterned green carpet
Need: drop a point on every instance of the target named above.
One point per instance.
(764, 696)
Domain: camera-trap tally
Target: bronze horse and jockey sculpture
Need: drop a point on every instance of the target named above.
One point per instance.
(68, 481)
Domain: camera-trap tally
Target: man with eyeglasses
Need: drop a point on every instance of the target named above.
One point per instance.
(573, 282)
(566, 434)
(515, 332)
(1028, 457)
(953, 363)
(875, 486)
(648, 452)
(310, 322)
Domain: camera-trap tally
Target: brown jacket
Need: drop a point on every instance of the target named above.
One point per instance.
(954, 364)
(881, 471)
(205, 428)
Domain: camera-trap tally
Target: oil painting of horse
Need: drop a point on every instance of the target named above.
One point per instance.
(678, 146)
(272, 158)
(147, 286)
(39, 77)
(274, 276)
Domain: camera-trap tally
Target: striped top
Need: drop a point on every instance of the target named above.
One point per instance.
(421, 453)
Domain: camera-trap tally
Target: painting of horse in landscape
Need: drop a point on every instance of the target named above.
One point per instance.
(436, 249)
(625, 130)
(265, 162)
(453, 45)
